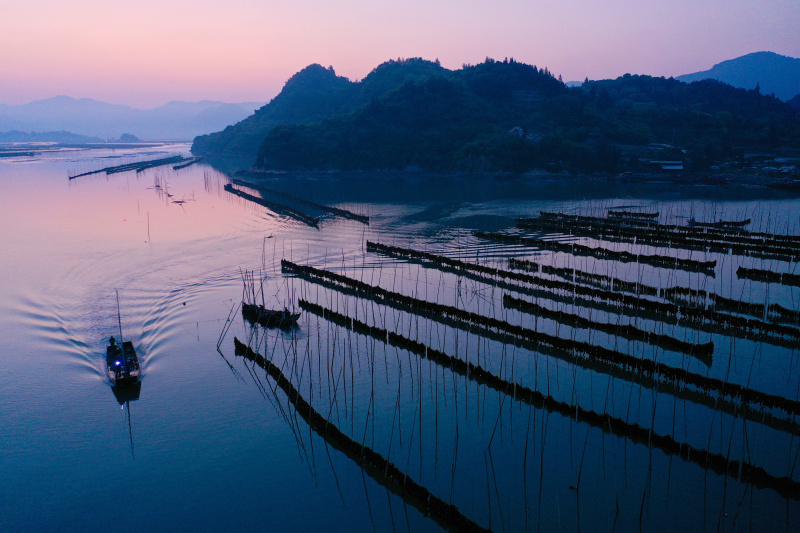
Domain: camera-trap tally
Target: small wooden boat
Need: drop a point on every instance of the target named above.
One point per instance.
(269, 318)
(123, 363)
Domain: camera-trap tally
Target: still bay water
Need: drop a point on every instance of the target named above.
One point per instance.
(212, 444)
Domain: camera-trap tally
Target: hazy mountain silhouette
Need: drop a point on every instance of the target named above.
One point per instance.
(774, 73)
(46, 136)
(175, 120)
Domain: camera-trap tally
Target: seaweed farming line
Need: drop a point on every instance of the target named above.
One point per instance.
(682, 296)
(378, 467)
(138, 167)
(707, 319)
(679, 391)
(599, 280)
(330, 209)
(278, 208)
(768, 276)
(658, 308)
(631, 214)
(690, 265)
(189, 163)
(644, 366)
(703, 352)
(689, 237)
(722, 224)
(652, 237)
(741, 471)
(730, 235)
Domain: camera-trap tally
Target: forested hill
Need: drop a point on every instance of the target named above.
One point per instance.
(309, 96)
(505, 116)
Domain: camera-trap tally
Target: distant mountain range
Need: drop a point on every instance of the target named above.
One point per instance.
(87, 117)
(15, 136)
(773, 73)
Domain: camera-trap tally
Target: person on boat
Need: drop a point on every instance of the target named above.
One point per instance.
(113, 342)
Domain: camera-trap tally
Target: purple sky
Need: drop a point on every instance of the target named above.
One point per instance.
(148, 52)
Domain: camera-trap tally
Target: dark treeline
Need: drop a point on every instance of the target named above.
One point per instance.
(660, 261)
(718, 463)
(500, 116)
(643, 366)
(378, 467)
(278, 208)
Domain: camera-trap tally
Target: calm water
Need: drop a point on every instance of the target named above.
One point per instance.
(212, 444)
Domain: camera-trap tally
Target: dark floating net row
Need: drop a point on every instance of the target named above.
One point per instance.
(587, 278)
(555, 285)
(652, 237)
(378, 467)
(721, 223)
(768, 276)
(731, 235)
(330, 209)
(780, 313)
(740, 242)
(704, 318)
(682, 391)
(189, 163)
(742, 471)
(683, 296)
(643, 366)
(661, 261)
(701, 351)
(138, 167)
(631, 214)
(278, 208)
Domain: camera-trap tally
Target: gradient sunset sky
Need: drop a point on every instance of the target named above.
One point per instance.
(145, 53)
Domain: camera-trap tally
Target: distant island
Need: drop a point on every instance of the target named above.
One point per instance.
(507, 116)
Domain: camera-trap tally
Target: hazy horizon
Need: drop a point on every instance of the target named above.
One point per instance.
(168, 50)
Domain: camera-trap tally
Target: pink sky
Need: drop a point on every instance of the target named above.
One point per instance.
(146, 53)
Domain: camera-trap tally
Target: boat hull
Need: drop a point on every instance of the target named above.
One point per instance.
(268, 318)
(123, 364)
